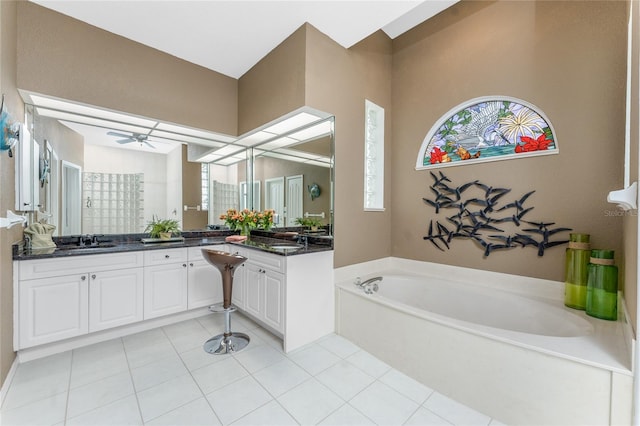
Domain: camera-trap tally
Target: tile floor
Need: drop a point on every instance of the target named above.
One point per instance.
(163, 377)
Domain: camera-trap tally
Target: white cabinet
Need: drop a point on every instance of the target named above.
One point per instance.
(53, 309)
(165, 282)
(204, 280)
(238, 298)
(238, 292)
(115, 298)
(273, 286)
(66, 297)
(253, 294)
(59, 298)
(264, 289)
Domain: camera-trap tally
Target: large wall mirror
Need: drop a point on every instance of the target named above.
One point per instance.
(131, 169)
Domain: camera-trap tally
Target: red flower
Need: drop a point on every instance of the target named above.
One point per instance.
(436, 155)
(530, 144)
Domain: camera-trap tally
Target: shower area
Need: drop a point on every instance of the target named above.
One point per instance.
(112, 203)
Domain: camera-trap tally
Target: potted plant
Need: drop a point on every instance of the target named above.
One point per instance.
(311, 222)
(162, 228)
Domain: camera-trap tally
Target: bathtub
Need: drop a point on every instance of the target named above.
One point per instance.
(505, 345)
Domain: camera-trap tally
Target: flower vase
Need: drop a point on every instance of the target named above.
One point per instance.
(245, 230)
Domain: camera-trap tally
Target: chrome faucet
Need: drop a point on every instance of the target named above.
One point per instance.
(369, 286)
(303, 239)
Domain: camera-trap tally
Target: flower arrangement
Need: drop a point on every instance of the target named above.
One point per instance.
(246, 220)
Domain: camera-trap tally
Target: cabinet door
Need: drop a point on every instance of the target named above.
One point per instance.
(53, 309)
(253, 286)
(273, 288)
(115, 298)
(165, 289)
(204, 285)
(238, 293)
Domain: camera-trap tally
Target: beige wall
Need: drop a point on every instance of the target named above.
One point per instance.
(15, 107)
(66, 58)
(275, 85)
(568, 59)
(338, 82)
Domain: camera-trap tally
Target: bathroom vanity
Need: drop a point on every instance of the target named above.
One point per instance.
(68, 298)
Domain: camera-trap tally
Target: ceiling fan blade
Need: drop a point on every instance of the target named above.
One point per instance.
(148, 144)
(123, 141)
(122, 135)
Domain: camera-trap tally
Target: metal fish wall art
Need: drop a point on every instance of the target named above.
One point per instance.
(481, 213)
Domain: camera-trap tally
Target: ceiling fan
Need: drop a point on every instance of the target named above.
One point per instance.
(133, 137)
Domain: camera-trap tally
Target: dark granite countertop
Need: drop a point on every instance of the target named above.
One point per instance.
(259, 240)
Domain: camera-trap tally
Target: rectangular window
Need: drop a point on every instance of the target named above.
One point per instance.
(373, 157)
(205, 186)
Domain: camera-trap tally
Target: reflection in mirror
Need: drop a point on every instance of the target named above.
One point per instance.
(288, 172)
(134, 168)
(71, 198)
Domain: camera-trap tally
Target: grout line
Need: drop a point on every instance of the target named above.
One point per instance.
(190, 373)
(135, 392)
(66, 406)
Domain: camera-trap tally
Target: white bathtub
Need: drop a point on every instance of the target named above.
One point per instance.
(504, 345)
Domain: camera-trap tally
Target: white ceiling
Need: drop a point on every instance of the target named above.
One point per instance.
(231, 36)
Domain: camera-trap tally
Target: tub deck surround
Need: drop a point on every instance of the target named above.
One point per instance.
(519, 374)
(133, 242)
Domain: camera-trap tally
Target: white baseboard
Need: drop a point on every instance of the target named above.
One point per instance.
(7, 381)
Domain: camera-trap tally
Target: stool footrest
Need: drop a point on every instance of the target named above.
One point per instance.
(219, 308)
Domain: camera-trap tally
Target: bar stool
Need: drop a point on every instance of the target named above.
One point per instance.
(227, 342)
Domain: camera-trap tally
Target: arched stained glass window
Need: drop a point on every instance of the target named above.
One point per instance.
(487, 129)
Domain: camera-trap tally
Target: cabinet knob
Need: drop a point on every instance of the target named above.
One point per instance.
(84, 277)
(93, 276)
(184, 265)
(191, 264)
(166, 256)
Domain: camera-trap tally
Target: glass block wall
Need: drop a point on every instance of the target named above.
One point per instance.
(224, 197)
(112, 203)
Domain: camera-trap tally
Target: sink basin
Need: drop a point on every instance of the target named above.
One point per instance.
(286, 247)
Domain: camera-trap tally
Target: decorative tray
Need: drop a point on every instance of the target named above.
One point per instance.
(162, 240)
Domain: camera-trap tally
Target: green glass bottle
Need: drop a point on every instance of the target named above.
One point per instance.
(576, 273)
(602, 286)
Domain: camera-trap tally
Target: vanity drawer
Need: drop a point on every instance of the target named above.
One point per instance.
(163, 256)
(273, 262)
(44, 268)
(195, 253)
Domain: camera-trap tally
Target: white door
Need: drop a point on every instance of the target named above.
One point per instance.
(237, 291)
(274, 300)
(274, 195)
(53, 309)
(115, 298)
(165, 289)
(293, 199)
(254, 280)
(71, 198)
(204, 285)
